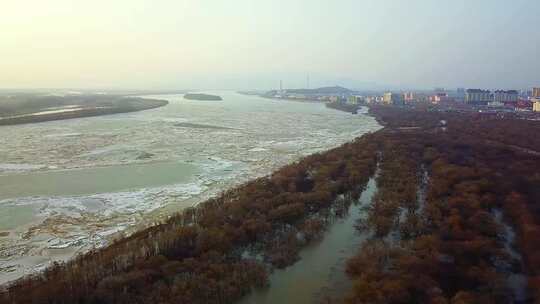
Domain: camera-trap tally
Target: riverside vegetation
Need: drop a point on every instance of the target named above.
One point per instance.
(443, 244)
(435, 239)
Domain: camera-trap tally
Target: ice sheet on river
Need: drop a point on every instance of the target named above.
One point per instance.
(255, 137)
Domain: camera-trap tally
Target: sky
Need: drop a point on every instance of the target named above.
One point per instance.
(252, 44)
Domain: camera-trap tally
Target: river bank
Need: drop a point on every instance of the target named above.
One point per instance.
(345, 107)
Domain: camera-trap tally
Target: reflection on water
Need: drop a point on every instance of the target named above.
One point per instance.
(320, 272)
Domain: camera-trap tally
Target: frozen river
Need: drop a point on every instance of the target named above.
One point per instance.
(68, 186)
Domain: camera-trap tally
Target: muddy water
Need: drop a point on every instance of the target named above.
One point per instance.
(320, 272)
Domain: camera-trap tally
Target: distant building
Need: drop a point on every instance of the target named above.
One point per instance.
(501, 96)
(536, 104)
(536, 92)
(440, 98)
(432, 98)
(409, 97)
(478, 96)
(496, 104)
(371, 99)
(379, 99)
(460, 94)
(387, 98)
(393, 98)
(524, 104)
(354, 100)
(421, 97)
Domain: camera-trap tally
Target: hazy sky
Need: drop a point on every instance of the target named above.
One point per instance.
(254, 43)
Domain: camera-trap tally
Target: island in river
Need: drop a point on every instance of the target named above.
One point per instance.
(202, 97)
(31, 108)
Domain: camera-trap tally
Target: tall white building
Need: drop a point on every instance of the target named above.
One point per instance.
(501, 96)
(393, 98)
(536, 92)
(536, 104)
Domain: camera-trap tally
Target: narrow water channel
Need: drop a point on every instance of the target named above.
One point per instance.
(515, 278)
(320, 272)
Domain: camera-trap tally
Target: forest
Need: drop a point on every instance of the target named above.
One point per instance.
(436, 237)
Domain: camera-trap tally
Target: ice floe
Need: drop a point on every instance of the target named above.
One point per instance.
(266, 136)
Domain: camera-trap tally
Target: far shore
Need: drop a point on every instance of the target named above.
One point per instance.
(66, 108)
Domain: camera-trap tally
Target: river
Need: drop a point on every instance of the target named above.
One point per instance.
(68, 186)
